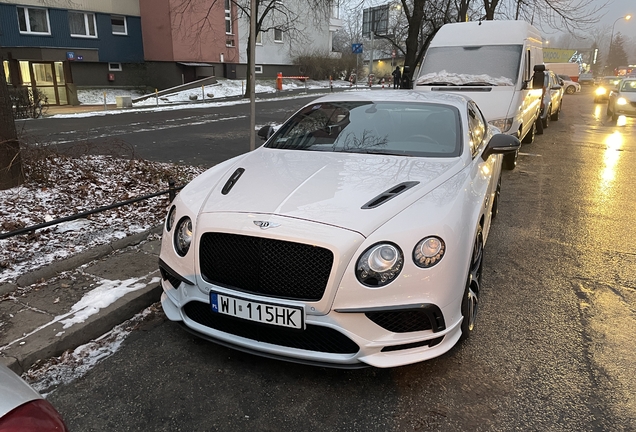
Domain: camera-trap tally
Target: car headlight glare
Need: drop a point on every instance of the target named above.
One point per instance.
(621, 101)
(379, 264)
(183, 236)
(429, 251)
(172, 214)
(600, 91)
(503, 125)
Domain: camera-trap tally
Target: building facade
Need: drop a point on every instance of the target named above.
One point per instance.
(55, 45)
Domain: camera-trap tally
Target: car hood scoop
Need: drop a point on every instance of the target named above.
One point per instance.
(358, 192)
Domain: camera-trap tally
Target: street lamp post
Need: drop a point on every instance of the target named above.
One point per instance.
(626, 18)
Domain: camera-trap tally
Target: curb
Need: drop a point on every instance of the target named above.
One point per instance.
(41, 344)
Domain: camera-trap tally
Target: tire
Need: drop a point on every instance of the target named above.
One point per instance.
(570, 90)
(555, 115)
(546, 120)
(529, 138)
(510, 161)
(495, 202)
(540, 126)
(470, 300)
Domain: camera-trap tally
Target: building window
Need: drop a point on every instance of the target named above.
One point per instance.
(228, 17)
(229, 43)
(82, 24)
(114, 67)
(259, 38)
(119, 25)
(278, 35)
(258, 69)
(7, 71)
(33, 20)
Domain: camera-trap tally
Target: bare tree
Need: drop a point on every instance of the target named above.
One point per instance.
(11, 174)
(289, 17)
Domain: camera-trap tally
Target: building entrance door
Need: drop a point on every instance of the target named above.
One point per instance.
(48, 78)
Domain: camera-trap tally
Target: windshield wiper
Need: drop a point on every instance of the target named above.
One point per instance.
(481, 83)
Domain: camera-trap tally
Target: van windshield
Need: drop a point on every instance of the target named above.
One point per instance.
(471, 65)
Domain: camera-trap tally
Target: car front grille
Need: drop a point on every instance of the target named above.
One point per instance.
(313, 338)
(428, 317)
(268, 267)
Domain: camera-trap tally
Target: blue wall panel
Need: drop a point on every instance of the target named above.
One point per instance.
(112, 48)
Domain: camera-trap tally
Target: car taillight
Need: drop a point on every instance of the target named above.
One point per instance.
(35, 416)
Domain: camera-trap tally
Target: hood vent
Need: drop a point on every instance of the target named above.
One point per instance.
(232, 181)
(385, 196)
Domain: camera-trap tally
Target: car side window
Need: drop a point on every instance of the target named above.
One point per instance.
(476, 128)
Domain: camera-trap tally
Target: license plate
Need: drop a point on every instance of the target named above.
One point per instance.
(266, 313)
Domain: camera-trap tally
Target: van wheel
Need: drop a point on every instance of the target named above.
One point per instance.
(555, 115)
(529, 138)
(509, 161)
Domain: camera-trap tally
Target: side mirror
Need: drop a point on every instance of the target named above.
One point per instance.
(539, 76)
(265, 132)
(501, 144)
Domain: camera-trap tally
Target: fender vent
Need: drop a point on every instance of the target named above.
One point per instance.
(232, 181)
(391, 193)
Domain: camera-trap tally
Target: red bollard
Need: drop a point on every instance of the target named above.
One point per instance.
(279, 81)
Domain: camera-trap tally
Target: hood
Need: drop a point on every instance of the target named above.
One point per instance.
(329, 188)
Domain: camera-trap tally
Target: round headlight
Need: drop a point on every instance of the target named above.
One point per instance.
(428, 252)
(183, 236)
(621, 101)
(172, 214)
(379, 264)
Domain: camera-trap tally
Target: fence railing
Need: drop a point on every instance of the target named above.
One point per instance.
(171, 191)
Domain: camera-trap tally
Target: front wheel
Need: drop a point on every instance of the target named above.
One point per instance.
(529, 138)
(509, 161)
(570, 90)
(555, 115)
(470, 301)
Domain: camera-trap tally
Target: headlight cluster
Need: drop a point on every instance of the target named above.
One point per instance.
(379, 264)
(382, 262)
(503, 125)
(600, 91)
(621, 101)
(182, 236)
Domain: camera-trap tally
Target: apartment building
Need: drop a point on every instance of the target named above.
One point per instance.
(56, 45)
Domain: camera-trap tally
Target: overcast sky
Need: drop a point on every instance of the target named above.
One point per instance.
(617, 9)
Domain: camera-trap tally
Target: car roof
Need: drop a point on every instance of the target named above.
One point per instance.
(456, 100)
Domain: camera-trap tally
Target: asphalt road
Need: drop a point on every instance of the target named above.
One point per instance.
(194, 136)
(553, 348)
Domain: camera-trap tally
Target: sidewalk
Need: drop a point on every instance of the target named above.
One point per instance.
(73, 301)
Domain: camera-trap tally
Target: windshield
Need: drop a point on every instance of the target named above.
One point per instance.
(628, 86)
(392, 128)
(495, 61)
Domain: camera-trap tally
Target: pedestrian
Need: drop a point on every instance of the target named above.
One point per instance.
(397, 77)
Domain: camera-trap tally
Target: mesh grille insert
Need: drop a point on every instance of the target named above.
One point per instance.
(409, 320)
(264, 266)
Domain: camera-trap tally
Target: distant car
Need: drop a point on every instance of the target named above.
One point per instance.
(551, 100)
(586, 78)
(622, 100)
(23, 409)
(570, 86)
(354, 236)
(604, 86)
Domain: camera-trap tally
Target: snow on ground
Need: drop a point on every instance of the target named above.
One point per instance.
(59, 186)
(45, 376)
(223, 89)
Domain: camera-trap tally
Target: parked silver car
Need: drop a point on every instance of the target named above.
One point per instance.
(23, 409)
(551, 100)
(622, 100)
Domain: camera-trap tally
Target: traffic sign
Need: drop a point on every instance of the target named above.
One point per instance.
(356, 48)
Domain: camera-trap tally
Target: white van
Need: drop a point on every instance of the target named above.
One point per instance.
(493, 63)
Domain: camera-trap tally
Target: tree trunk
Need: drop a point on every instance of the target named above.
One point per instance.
(10, 163)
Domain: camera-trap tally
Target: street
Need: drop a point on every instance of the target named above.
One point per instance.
(555, 334)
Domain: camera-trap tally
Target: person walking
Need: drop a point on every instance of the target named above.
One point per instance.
(397, 77)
